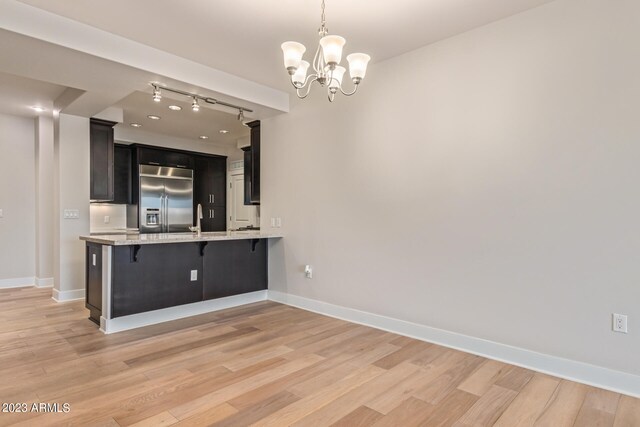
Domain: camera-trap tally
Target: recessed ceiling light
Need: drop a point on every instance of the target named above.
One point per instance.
(38, 109)
(152, 117)
(175, 107)
(203, 137)
(223, 131)
(136, 125)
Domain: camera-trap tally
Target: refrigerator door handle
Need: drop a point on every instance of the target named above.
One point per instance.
(165, 226)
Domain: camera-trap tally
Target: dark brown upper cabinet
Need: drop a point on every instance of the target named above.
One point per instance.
(122, 171)
(252, 166)
(164, 157)
(101, 160)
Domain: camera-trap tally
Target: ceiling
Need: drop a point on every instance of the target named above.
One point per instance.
(184, 123)
(243, 37)
(19, 94)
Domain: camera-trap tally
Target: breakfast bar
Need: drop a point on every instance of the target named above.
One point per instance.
(134, 280)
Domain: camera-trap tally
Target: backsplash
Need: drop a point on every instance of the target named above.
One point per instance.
(116, 215)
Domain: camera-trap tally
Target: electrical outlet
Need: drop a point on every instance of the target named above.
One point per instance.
(107, 219)
(194, 275)
(308, 271)
(619, 323)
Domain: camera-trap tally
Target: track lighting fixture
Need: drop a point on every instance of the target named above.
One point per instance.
(195, 98)
(157, 96)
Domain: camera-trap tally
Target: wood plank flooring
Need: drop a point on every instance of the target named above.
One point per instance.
(268, 364)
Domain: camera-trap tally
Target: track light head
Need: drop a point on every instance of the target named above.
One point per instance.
(194, 105)
(157, 96)
(241, 115)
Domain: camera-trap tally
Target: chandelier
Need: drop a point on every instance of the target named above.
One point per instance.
(326, 64)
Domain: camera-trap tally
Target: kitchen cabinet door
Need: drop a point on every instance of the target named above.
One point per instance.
(93, 285)
(210, 192)
(252, 166)
(163, 157)
(122, 171)
(255, 162)
(101, 160)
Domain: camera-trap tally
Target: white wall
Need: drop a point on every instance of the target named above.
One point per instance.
(17, 200)
(71, 145)
(486, 185)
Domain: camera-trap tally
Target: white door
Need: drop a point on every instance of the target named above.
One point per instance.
(240, 215)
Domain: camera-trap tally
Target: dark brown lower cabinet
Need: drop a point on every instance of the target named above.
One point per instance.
(154, 276)
(93, 282)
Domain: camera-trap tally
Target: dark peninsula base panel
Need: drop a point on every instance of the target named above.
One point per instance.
(151, 277)
(234, 267)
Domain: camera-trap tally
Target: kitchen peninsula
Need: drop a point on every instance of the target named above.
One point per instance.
(134, 280)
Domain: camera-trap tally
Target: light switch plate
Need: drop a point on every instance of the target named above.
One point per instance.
(107, 219)
(71, 214)
(194, 275)
(1, 214)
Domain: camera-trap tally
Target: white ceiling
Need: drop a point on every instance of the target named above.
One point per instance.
(184, 123)
(243, 37)
(19, 94)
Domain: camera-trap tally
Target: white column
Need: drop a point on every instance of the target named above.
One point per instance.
(71, 153)
(44, 201)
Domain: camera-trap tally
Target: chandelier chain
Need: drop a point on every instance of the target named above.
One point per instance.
(323, 21)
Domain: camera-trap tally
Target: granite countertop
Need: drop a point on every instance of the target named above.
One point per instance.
(154, 238)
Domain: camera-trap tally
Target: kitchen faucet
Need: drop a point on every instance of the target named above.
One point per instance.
(198, 228)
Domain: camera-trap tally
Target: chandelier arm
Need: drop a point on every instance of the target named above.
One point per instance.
(310, 79)
(318, 61)
(355, 89)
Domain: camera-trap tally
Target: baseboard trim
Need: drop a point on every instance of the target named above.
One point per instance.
(18, 282)
(46, 282)
(64, 296)
(119, 324)
(596, 376)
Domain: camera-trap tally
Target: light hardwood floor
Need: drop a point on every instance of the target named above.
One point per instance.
(268, 364)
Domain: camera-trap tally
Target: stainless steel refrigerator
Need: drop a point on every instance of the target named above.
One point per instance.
(166, 199)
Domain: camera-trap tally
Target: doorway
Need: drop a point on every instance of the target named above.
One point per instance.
(240, 215)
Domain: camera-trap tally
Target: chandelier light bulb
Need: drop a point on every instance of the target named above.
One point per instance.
(300, 75)
(194, 105)
(358, 65)
(332, 49)
(293, 52)
(157, 96)
(336, 77)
